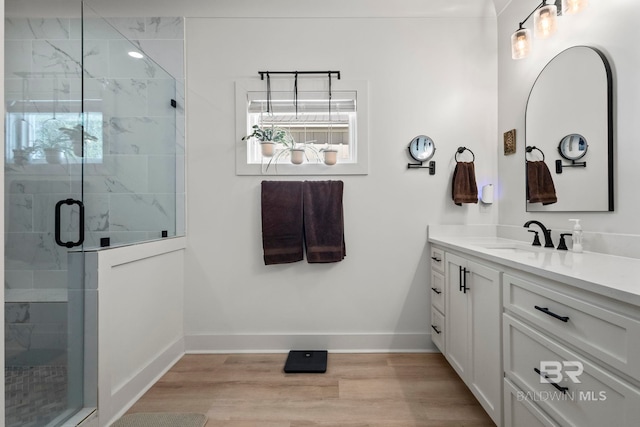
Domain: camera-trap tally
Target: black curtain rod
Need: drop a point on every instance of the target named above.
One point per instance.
(262, 73)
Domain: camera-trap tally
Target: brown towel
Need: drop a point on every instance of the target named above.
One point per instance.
(282, 221)
(540, 188)
(324, 221)
(464, 188)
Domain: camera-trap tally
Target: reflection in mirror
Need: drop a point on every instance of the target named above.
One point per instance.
(573, 147)
(422, 148)
(569, 113)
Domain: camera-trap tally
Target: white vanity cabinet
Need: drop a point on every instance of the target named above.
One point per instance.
(541, 337)
(472, 328)
(570, 357)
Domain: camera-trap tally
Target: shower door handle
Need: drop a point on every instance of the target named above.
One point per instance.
(70, 244)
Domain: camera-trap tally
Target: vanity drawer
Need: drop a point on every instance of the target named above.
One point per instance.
(520, 411)
(437, 328)
(602, 333)
(598, 399)
(437, 290)
(437, 259)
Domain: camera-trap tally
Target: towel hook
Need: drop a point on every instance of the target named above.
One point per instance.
(530, 148)
(461, 150)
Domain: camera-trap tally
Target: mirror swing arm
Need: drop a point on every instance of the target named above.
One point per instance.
(573, 164)
(431, 166)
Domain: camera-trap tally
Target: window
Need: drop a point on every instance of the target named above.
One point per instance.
(35, 130)
(308, 120)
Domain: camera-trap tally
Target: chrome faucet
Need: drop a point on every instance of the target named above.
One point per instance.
(548, 243)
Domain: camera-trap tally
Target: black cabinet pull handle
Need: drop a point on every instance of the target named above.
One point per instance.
(545, 310)
(460, 277)
(436, 290)
(80, 240)
(436, 329)
(463, 279)
(436, 259)
(564, 390)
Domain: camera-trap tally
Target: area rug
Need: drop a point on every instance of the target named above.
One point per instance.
(159, 419)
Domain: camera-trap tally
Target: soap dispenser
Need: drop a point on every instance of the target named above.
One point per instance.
(577, 236)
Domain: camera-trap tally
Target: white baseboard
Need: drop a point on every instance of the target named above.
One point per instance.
(344, 343)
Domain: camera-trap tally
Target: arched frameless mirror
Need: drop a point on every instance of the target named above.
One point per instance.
(569, 117)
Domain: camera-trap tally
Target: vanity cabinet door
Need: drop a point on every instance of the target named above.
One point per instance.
(473, 329)
(570, 388)
(457, 318)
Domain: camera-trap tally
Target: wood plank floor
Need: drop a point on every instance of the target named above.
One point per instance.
(358, 390)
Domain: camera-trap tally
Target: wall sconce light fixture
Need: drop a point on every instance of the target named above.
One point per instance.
(545, 24)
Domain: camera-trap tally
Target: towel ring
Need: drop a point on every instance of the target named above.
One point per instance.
(461, 150)
(530, 148)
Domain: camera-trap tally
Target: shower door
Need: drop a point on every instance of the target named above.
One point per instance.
(44, 215)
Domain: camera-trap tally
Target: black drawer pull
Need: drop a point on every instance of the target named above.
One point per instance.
(564, 390)
(436, 259)
(551, 313)
(436, 290)
(436, 329)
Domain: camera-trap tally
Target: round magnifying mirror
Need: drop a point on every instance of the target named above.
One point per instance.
(573, 147)
(422, 148)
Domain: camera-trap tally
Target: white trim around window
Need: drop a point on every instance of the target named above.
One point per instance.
(359, 165)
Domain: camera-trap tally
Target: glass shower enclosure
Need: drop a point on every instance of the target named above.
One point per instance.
(93, 158)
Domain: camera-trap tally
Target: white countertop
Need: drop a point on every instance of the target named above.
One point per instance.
(612, 276)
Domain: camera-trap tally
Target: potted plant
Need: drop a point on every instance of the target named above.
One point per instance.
(55, 151)
(268, 138)
(22, 156)
(297, 152)
(330, 155)
(76, 136)
(52, 142)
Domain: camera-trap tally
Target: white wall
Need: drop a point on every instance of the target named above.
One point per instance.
(426, 76)
(611, 27)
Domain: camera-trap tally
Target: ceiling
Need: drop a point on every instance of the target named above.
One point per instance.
(267, 8)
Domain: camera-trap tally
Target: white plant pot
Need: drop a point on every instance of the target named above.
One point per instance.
(297, 156)
(330, 157)
(54, 156)
(21, 157)
(267, 148)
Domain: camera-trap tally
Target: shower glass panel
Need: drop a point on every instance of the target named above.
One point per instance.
(44, 304)
(131, 156)
(94, 155)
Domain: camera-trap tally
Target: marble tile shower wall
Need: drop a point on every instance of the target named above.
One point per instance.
(132, 191)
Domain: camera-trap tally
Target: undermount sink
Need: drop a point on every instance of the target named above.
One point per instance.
(510, 247)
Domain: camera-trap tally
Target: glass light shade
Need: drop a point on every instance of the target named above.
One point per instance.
(569, 7)
(545, 21)
(520, 43)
